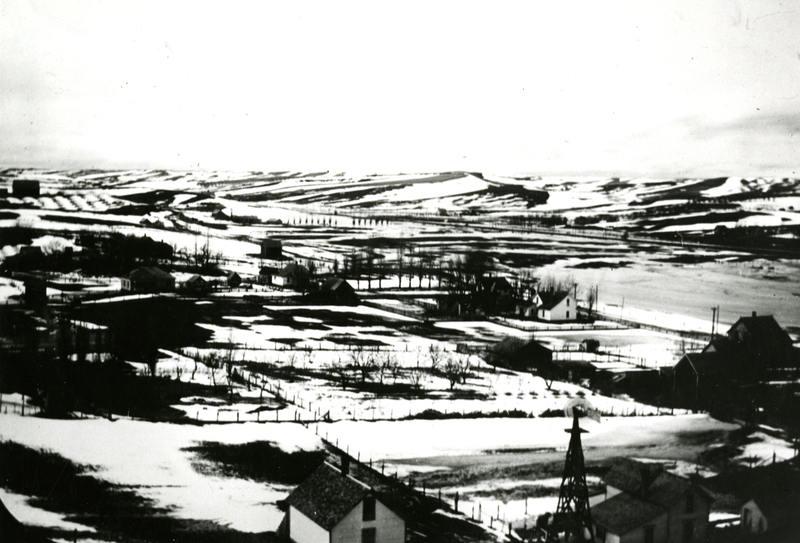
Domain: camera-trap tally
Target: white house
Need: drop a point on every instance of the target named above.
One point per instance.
(645, 504)
(292, 275)
(331, 506)
(556, 306)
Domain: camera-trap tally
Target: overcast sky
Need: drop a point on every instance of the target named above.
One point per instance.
(689, 88)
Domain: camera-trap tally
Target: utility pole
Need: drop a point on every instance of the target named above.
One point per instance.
(713, 322)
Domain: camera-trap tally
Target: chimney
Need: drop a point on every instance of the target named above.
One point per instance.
(345, 464)
(754, 314)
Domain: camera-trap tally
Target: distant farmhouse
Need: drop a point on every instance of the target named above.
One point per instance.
(271, 248)
(292, 276)
(331, 506)
(148, 279)
(196, 283)
(552, 306)
(24, 187)
(755, 349)
(557, 306)
(336, 291)
(520, 355)
(644, 503)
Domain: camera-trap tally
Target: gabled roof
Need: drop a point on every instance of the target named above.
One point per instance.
(495, 284)
(664, 488)
(293, 269)
(707, 364)
(268, 270)
(764, 329)
(195, 279)
(335, 283)
(513, 344)
(622, 513)
(327, 496)
(550, 299)
(149, 271)
(726, 348)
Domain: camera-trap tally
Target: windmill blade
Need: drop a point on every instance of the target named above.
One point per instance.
(582, 407)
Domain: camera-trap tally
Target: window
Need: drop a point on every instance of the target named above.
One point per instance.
(368, 535)
(567, 302)
(649, 534)
(688, 531)
(689, 503)
(567, 314)
(368, 508)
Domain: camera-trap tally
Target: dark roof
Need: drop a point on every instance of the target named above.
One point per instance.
(725, 347)
(151, 271)
(706, 364)
(622, 513)
(293, 269)
(195, 279)
(513, 344)
(764, 329)
(336, 283)
(327, 496)
(664, 489)
(550, 299)
(268, 270)
(496, 284)
(270, 243)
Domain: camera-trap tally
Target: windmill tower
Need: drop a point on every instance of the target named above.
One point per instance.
(573, 517)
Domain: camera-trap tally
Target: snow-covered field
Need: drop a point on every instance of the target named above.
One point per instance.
(148, 457)
(423, 217)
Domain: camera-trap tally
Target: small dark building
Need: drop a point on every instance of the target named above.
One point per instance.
(148, 279)
(234, 279)
(36, 293)
(493, 295)
(521, 355)
(271, 248)
(25, 187)
(336, 291)
(590, 345)
(196, 283)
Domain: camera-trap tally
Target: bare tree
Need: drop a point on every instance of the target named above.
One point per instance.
(456, 369)
(436, 355)
(152, 362)
(308, 356)
(363, 362)
(52, 247)
(341, 370)
(415, 376)
(212, 361)
(203, 256)
(387, 365)
(591, 298)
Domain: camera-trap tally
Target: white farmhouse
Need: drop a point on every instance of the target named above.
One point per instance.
(556, 306)
(331, 506)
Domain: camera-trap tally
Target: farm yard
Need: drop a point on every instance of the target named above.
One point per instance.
(245, 357)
